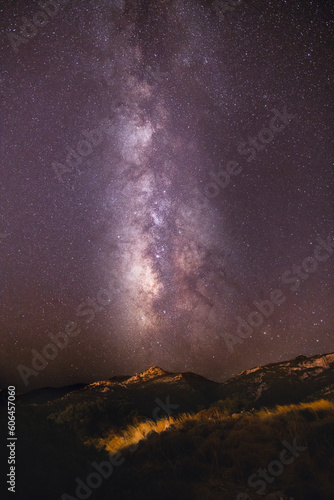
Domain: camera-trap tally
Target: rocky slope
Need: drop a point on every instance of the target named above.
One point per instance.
(286, 382)
(277, 383)
(211, 457)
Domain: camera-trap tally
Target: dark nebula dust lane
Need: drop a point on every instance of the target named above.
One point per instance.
(174, 157)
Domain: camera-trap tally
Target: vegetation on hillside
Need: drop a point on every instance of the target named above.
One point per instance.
(212, 454)
(209, 446)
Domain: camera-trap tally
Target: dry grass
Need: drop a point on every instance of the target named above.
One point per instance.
(315, 406)
(215, 453)
(138, 430)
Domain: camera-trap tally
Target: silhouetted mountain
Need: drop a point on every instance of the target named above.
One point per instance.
(40, 396)
(283, 383)
(194, 438)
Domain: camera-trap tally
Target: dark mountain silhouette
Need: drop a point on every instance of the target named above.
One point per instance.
(193, 438)
(285, 382)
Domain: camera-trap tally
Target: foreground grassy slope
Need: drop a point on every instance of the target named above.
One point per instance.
(212, 454)
(222, 441)
(208, 454)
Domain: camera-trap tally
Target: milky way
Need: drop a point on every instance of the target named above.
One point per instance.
(168, 257)
(166, 183)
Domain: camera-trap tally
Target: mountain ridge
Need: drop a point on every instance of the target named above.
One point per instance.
(183, 422)
(280, 382)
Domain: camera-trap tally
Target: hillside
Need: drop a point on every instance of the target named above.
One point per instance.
(188, 436)
(282, 383)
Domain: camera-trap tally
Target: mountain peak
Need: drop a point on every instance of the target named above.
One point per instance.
(153, 371)
(301, 357)
(150, 373)
(284, 382)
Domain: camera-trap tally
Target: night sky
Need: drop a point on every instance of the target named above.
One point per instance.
(166, 176)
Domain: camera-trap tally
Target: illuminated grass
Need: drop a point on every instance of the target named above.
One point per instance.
(134, 433)
(293, 416)
(216, 452)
